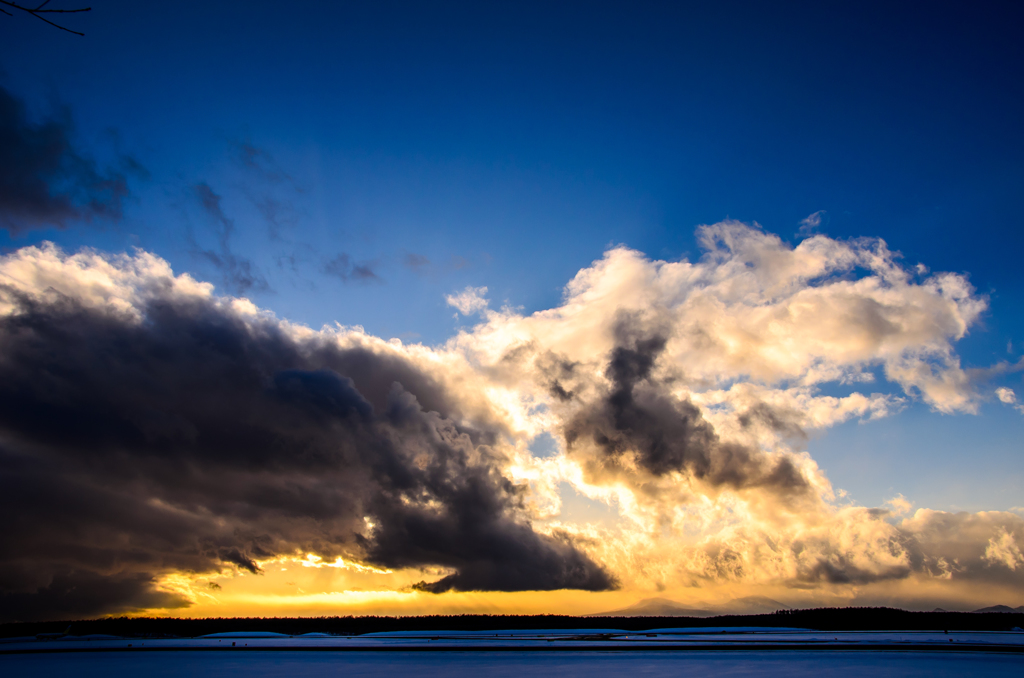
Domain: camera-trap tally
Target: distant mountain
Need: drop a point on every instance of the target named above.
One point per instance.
(752, 605)
(663, 607)
(657, 607)
(1002, 608)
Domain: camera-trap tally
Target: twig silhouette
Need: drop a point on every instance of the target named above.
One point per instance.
(38, 11)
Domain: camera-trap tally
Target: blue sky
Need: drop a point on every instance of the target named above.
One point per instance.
(360, 161)
(527, 138)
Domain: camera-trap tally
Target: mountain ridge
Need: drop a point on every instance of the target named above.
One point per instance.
(664, 607)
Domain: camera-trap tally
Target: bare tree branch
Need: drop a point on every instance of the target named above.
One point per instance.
(39, 10)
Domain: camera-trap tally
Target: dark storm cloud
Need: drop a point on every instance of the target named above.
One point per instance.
(45, 181)
(343, 268)
(78, 595)
(638, 418)
(192, 440)
(240, 275)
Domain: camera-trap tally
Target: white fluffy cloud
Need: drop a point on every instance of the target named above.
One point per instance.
(469, 301)
(811, 222)
(1006, 395)
(755, 310)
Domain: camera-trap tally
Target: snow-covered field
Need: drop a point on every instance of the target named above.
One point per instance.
(584, 652)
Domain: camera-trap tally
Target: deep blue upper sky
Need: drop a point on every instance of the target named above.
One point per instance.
(509, 143)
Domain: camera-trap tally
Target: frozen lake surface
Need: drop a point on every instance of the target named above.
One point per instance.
(583, 652)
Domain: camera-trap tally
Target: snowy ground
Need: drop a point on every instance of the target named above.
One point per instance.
(587, 652)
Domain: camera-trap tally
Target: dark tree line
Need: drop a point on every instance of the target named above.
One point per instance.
(823, 619)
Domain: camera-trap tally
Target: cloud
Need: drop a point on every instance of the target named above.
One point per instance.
(900, 505)
(1006, 395)
(151, 427)
(201, 433)
(82, 595)
(983, 546)
(638, 425)
(274, 198)
(240, 274)
(832, 551)
(343, 268)
(811, 223)
(415, 262)
(423, 266)
(45, 181)
(210, 202)
(469, 301)
(684, 392)
(754, 310)
(262, 163)
(278, 214)
(1003, 550)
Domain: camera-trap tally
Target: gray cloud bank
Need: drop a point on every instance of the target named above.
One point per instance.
(183, 436)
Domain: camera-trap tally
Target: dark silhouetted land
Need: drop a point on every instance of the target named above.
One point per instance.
(822, 619)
